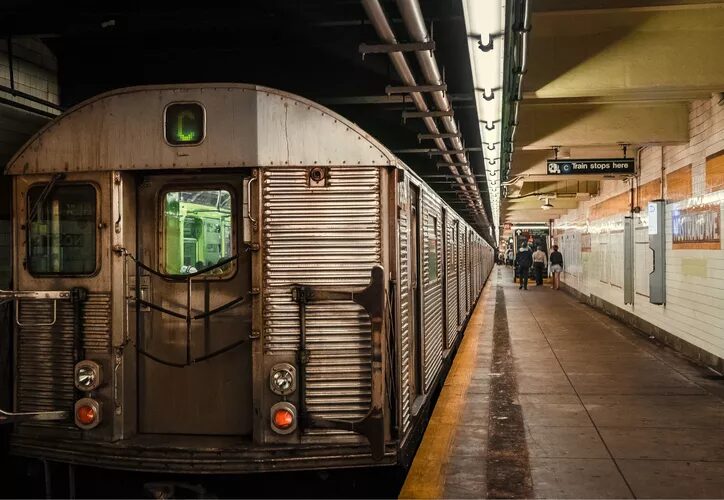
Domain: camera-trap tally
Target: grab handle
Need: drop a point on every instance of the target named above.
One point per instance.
(17, 296)
(248, 198)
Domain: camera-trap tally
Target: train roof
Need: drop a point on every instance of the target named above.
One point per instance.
(245, 125)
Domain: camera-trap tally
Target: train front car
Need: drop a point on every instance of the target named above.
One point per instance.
(211, 278)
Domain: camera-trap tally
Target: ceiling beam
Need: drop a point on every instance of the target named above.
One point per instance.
(636, 55)
(546, 126)
(557, 6)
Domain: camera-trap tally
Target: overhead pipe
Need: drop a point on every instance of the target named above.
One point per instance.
(415, 23)
(523, 29)
(522, 56)
(379, 21)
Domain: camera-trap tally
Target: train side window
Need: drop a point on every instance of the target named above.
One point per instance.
(198, 231)
(62, 236)
(432, 250)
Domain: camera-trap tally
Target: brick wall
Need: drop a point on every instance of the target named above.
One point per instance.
(694, 309)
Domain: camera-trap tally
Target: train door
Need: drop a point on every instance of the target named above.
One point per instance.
(415, 294)
(195, 371)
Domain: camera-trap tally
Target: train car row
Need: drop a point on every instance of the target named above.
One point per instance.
(228, 278)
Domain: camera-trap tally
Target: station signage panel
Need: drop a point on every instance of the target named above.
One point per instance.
(608, 166)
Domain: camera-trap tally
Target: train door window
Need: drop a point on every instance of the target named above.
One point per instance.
(432, 250)
(198, 231)
(62, 238)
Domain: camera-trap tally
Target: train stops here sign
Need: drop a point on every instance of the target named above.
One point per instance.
(614, 166)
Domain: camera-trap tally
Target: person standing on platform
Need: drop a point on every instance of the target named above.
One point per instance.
(523, 260)
(509, 257)
(556, 260)
(539, 265)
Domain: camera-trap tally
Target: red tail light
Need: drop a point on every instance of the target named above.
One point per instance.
(283, 418)
(87, 413)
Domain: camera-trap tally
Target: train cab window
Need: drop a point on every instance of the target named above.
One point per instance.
(432, 250)
(198, 231)
(62, 230)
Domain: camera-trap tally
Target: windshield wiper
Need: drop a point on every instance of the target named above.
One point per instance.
(43, 195)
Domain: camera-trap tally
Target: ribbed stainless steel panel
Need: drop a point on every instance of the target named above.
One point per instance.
(432, 286)
(473, 256)
(97, 323)
(45, 353)
(404, 344)
(452, 277)
(322, 236)
(462, 270)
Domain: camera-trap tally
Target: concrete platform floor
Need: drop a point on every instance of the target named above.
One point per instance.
(549, 398)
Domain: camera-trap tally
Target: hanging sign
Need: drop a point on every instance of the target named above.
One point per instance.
(591, 167)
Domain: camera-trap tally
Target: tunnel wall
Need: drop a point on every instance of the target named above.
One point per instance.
(592, 241)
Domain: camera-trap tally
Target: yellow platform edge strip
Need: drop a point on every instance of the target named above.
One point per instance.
(426, 478)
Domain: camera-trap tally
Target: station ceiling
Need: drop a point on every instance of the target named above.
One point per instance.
(604, 73)
(308, 47)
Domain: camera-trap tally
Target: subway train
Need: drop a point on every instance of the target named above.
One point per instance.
(227, 278)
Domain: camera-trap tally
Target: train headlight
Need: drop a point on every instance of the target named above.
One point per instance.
(88, 375)
(87, 413)
(283, 418)
(283, 379)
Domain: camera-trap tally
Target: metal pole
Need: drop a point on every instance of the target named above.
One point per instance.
(188, 320)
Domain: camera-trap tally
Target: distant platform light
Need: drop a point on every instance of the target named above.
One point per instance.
(185, 123)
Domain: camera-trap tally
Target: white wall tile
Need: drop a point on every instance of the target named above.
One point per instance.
(695, 298)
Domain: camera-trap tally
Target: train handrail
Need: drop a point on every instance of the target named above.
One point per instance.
(18, 295)
(8, 417)
(373, 299)
(181, 278)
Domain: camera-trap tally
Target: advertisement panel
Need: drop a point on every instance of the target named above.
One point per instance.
(697, 227)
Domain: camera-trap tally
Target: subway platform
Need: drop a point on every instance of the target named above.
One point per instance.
(549, 398)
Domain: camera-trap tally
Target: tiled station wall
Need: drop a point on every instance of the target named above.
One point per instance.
(592, 239)
(34, 73)
(34, 70)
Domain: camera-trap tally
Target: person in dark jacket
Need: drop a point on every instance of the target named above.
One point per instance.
(556, 260)
(524, 259)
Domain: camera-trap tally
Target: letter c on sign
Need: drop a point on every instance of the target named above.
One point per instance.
(182, 134)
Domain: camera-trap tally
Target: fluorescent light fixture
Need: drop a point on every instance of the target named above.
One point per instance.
(485, 23)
